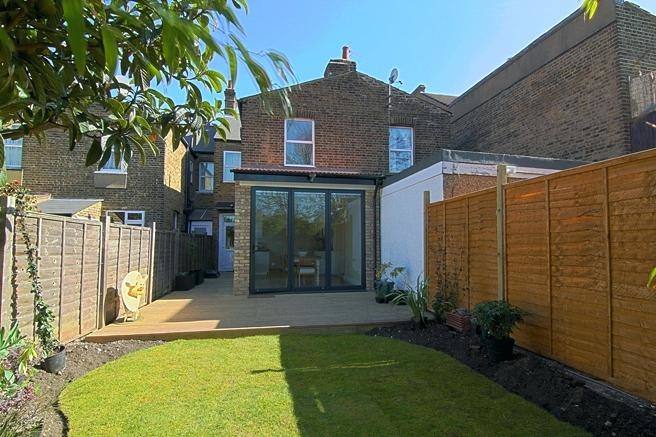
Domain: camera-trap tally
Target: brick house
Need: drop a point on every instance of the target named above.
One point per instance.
(306, 193)
(210, 185)
(138, 194)
(566, 95)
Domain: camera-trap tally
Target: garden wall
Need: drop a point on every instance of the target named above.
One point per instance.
(578, 246)
(82, 262)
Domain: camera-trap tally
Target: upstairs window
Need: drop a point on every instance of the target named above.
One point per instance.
(206, 177)
(299, 142)
(14, 153)
(111, 166)
(231, 160)
(401, 147)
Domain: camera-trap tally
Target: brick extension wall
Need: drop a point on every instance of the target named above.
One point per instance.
(241, 278)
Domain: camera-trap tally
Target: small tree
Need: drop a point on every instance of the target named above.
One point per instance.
(64, 64)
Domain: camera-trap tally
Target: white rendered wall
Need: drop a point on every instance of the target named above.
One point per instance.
(402, 220)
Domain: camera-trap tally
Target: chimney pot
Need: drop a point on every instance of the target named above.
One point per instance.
(346, 51)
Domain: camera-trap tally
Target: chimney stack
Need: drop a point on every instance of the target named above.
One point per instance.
(342, 65)
(229, 97)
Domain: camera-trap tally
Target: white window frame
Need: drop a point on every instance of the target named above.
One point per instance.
(223, 175)
(14, 144)
(125, 213)
(123, 168)
(300, 142)
(411, 150)
(201, 186)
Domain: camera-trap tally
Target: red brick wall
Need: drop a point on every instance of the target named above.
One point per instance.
(351, 118)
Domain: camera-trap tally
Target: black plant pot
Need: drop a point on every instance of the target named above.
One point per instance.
(56, 362)
(499, 349)
(380, 299)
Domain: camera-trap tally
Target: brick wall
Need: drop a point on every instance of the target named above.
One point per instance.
(198, 199)
(224, 191)
(351, 124)
(574, 106)
(154, 187)
(241, 278)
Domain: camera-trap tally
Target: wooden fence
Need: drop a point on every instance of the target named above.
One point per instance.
(576, 248)
(82, 262)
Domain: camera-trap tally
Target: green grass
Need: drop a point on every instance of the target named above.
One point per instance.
(297, 385)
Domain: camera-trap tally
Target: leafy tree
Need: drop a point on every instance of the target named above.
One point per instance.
(63, 64)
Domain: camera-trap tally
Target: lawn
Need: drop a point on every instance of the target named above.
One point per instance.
(297, 385)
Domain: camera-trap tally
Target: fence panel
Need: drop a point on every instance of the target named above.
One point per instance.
(578, 247)
(71, 259)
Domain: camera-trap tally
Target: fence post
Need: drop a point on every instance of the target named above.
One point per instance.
(103, 268)
(426, 205)
(502, 179)
(151, 261)
(7, 220)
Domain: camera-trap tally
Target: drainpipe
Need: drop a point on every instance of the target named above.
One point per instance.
(378, 185)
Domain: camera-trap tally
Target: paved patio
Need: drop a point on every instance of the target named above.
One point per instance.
(211, 310)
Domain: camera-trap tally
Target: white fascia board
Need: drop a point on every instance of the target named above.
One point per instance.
(414, 179)
(491, 170)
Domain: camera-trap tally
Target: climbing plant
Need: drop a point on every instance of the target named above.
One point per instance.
(43, 315)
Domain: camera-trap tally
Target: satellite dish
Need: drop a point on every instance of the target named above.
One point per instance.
(133, 288)
(393, 75)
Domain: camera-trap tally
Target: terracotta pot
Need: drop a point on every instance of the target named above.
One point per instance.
(459, 322)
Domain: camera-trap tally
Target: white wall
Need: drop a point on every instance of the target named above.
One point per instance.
(402, 220)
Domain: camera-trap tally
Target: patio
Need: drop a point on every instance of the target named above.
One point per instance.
(211, 310)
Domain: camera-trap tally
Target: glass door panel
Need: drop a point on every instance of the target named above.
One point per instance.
(346, 239)
(270, 240)
(309, 240)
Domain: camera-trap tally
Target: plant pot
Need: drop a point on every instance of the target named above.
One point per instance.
(499, 349)
(199, 276)
(459, 322)
(184, 281)
(380, 299)
(56, 362)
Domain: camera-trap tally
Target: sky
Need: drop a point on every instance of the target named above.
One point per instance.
(446, 45)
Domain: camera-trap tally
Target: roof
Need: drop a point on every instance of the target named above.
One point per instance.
(65, 206)
(305, 171)
(203, 146)
(442, 98)
(464, 156)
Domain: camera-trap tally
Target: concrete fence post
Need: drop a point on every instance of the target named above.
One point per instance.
(151, 261)
(104, 256)
(7, 220)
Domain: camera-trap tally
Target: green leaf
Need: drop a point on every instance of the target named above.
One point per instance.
(232, 63)
(652, 276)
(95, 152)
(74, 18)
(111, 48)
(2, 153)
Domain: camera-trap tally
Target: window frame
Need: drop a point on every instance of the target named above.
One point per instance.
(223, 174)
(312, 165)
(201, 188)
(390, 149)
(123, 167)
(125, 213)
(8, 144)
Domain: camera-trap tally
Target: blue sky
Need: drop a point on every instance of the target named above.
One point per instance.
(446, 45)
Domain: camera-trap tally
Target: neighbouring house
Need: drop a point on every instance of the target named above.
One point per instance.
(446, 174)
(210, 205)
(306, 191)
(566, 95)
(138, 194)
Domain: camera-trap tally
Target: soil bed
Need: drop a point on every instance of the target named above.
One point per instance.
(81, 358)
(569, 397)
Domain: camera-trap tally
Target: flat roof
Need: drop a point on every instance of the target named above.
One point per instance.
(483, 158)
(65, 206)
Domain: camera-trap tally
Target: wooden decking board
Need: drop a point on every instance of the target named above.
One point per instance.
(211, 310)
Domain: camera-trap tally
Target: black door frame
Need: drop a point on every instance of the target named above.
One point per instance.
(328, 287)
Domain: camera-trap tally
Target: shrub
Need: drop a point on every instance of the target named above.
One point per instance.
(416, 298)
(445, 302)
(16, 355)
(497, 319)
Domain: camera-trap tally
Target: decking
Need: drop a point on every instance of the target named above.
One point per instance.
(211, 310)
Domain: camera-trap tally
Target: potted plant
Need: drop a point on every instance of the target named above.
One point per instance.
(386, 273)
(497, 319)
(444, 302)
(417, 300)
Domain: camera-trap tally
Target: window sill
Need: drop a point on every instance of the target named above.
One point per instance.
(110, 172)
(204, 192)
(300, 166)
